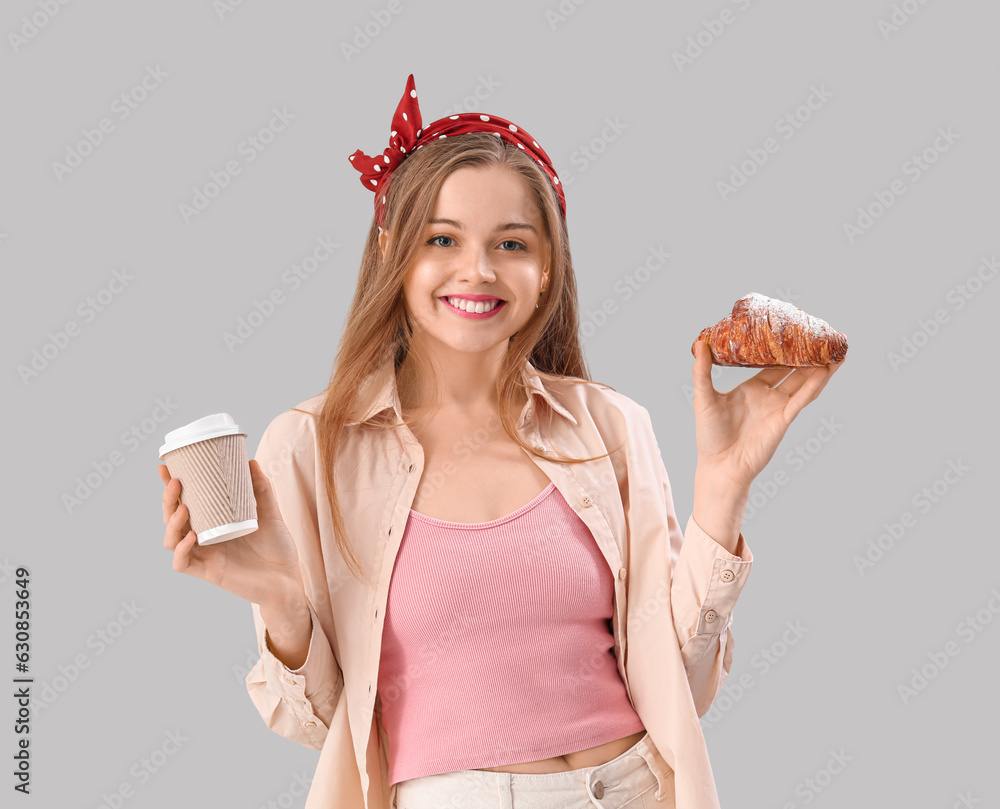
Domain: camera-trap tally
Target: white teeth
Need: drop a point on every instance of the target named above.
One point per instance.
(478, 307)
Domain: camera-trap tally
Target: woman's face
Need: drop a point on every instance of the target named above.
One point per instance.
(485, 238)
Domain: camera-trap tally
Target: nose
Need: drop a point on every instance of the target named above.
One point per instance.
(476, 266)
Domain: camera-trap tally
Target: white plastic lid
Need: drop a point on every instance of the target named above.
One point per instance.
(200, 430)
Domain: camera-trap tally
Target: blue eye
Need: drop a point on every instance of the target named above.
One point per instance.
(519, 246)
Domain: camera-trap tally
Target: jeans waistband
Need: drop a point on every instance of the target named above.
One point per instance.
(594, 780)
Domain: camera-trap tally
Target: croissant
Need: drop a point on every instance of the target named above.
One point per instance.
(763, 332)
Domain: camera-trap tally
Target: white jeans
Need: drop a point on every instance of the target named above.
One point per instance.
(638, 779)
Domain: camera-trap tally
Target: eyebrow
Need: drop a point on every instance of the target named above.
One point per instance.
(498, 229)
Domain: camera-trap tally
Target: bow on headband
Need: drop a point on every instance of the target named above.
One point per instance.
(408, 134)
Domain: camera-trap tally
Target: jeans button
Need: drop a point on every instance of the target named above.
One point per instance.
(598, 790)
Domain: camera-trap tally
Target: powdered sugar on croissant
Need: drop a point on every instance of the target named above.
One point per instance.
(763, 332)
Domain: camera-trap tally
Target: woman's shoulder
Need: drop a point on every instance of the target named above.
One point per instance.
(590, 400)
(295, 426)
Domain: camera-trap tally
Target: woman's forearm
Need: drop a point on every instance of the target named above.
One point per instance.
(288, 628)
(718, 505)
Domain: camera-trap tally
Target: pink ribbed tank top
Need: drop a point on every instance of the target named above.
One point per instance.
(497, 645)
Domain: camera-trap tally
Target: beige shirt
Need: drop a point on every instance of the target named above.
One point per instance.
(673, 600)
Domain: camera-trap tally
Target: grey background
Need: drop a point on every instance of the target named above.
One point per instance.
(179, 665)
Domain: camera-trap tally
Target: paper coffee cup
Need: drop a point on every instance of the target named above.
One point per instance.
(209, 457)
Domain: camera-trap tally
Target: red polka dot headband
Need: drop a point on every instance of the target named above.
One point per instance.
(408, 134)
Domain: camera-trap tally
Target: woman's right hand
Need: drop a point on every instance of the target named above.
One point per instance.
(262, 567)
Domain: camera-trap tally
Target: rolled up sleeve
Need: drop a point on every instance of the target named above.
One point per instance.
(706, 583)
(705, 579)
(296, 703)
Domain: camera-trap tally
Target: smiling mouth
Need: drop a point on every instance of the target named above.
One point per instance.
(472, 307)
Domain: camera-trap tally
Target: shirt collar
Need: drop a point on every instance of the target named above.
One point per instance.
(379, 393)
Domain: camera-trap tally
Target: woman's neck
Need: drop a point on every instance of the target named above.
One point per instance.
(467, 387)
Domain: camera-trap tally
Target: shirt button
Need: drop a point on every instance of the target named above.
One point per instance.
(289, 680)
(727, 575)
(540, 447)
(301, 701)
(598, 790)
(621, 574)
(711, 615)
(585, 501)
(308, 724)
(410, 469)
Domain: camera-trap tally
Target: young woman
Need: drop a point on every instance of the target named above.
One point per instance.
(469, 584)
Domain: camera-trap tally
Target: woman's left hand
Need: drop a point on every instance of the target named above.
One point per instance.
(738, 432)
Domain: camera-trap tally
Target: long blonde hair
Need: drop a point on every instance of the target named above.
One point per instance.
(377, 325)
